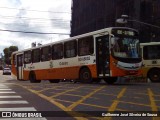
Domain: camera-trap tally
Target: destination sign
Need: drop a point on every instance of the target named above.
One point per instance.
(125, 32)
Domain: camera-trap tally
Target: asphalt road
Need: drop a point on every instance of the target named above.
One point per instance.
(68, 100)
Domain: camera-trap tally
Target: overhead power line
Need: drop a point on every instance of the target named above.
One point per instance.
(39, 25)
(9, 17)
(35, 10)
(30, 32)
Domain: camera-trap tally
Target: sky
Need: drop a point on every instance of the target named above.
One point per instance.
(18, 17)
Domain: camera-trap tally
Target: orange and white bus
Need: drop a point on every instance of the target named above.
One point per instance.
(103, 54)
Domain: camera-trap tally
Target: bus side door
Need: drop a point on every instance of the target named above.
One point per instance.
(102, 55)
(20, 67)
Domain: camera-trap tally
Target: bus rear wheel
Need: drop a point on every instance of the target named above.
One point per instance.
(110, 80)
(154, 75)
(32, 78)
(85, 75)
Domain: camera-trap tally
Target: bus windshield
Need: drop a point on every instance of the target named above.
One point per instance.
(125, 47)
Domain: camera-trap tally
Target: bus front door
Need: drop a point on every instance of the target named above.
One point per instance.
(102, 55)
(20, 67)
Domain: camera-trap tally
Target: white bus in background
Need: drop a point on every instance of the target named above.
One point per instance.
(151, 60)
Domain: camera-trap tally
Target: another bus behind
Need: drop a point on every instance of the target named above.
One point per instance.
(151, 60)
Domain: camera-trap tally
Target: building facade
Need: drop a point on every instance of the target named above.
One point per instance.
(91, 15)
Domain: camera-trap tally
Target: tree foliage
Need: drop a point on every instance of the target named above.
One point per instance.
(8, 52)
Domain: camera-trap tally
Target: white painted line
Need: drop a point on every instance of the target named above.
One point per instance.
(5, 89)
(8, 92)
(14, 102)
(10, 97)
(3, 86)
(19, 109)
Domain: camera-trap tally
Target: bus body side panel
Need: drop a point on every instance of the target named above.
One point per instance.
(26, 74)
(14, 71)
(149, 64)
(145, 71)
(93, 69)
(60, 73)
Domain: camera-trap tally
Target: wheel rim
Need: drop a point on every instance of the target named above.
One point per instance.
(155, 76)
(86, 75)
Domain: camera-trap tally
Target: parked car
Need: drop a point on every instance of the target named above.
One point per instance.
(6, 71)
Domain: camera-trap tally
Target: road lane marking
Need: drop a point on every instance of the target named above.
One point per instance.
(10, 97)
(8, 92)
(153, 103)
(112, 108)
(80, 96)
(84, 98)
(135, 103)
(45, 89)
(14, 102)
(121, 93)
(61, 93)
(115, 103)
(92, 105)
(19, 109)
(53, 101)
(2, 85)
(4, 89)
(152, 100)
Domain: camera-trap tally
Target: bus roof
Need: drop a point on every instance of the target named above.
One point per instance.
(76, 37)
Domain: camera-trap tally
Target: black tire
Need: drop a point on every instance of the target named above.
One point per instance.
(154, 75)
(85, 76)
(110, 80)
(32, 78)
(54, 81)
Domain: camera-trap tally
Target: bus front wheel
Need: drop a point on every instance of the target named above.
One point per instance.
(154, 75)
(85, 75)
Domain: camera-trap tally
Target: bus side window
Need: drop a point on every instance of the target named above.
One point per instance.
(85, 46)
(27, 57)
(70, 49)
(57, 51)
(36, 55)
(151, 52)
(145, 52)
(46, 53)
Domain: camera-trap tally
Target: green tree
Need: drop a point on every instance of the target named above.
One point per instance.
(8, 52)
